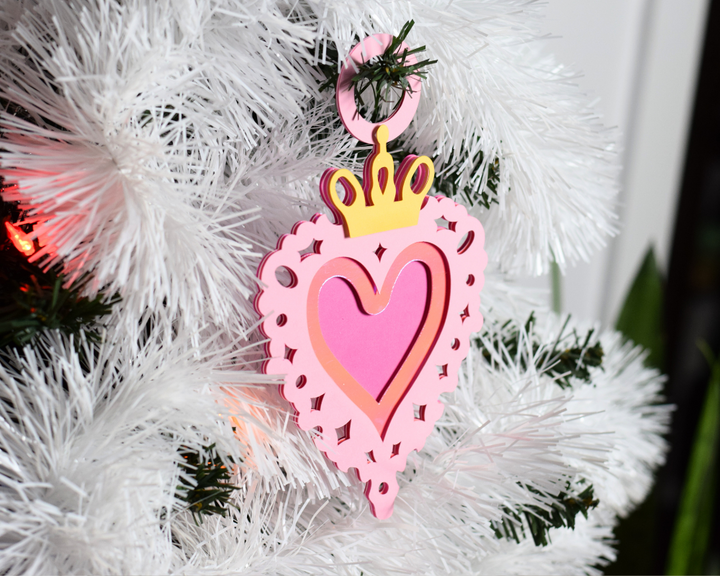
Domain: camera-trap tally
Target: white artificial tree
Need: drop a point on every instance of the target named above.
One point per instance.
(163, 148)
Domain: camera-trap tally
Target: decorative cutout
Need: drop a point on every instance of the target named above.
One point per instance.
(343, 433)
(289, 353)
(316, 403)
(465, 242)
(285, 277)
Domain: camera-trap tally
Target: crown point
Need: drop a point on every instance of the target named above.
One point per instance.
(381, 134)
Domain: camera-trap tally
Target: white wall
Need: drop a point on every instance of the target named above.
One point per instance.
(640, 58)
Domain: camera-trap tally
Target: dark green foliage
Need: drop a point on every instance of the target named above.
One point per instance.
(206, 486)
(695, 515)
(563, 510)
(385, 75)
(570, 356)
(640, 319)
(45, 304)
(13, 109)
(33, 300)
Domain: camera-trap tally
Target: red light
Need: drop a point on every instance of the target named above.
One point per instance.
(20, 239)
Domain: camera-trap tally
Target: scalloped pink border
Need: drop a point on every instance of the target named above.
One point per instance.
(290, 352)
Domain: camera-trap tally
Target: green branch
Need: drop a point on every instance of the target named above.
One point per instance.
(562, 512)
(570, 356)
(206, 487)
(33, 300)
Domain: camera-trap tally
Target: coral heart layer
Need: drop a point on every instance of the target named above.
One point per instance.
(401, 333)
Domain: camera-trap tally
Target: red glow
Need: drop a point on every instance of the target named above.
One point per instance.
(20, 239)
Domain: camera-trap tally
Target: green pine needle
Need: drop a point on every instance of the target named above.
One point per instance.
(385, 75)
(33, 300)
(206, 487)
(569, 357)
(539, 520)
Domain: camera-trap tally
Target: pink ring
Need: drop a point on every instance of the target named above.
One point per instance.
(345, 92)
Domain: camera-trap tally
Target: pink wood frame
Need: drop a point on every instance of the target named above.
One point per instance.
(353, 429)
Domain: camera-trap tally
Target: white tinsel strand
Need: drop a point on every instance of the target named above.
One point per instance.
(81, 488)
(635, 418)
(583, 550)
(90, 453)
(623, 416)
(506, 427)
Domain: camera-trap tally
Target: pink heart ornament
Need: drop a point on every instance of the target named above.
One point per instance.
(343, 424)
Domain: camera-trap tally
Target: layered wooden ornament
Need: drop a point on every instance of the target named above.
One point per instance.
(368, 317)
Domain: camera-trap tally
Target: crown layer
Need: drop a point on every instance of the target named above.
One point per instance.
(385, 200)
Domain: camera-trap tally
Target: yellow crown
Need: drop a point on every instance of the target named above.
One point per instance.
(385, 201)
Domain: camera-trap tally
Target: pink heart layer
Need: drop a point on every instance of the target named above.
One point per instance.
(375, 300)
(371, 347)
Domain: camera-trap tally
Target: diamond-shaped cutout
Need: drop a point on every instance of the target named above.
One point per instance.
(443, 371)
(289, 353)
(465, 314)
(380, 251)
(395, 450)
(444, 223)
(419, 411)
(313, 248)
(316, 403)
(343, 433)
(307, 250)
(370, 456)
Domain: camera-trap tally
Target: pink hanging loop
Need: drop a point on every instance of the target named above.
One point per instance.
(345, 92)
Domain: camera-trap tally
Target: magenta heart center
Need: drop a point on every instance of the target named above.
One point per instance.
(371, 347)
